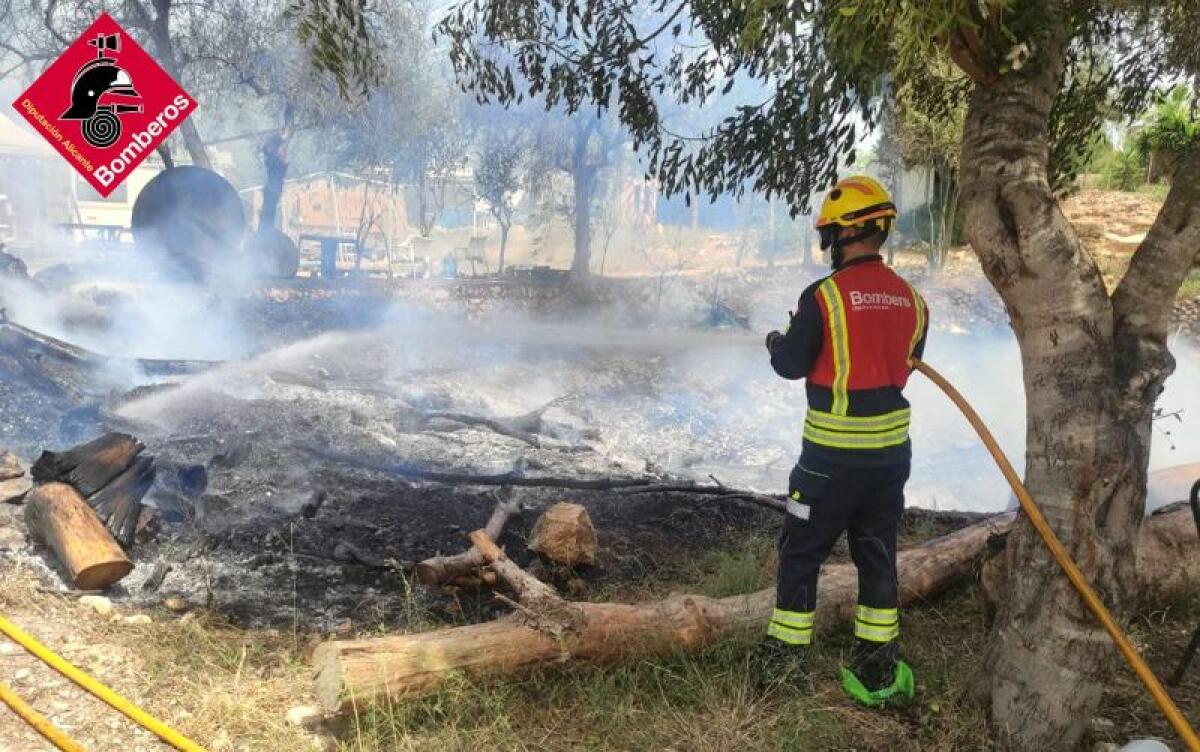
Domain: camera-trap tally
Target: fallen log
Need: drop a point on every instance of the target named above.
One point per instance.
(353, 672)
(444, 570)
(58, 516)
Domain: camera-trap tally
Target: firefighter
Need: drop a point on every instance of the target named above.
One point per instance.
(852, 338)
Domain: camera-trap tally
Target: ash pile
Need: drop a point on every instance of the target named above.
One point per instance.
(301, 486)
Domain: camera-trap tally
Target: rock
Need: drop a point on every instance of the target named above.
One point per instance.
(13, 490)
(138, 620)
(565, 534)
(10, 466)
(175, 603)
(305, 716)
(10, 538)
(97, 603)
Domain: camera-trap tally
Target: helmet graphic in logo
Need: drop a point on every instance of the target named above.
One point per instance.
(98, 79)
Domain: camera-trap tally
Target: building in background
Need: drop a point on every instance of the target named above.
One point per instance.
(47, 200)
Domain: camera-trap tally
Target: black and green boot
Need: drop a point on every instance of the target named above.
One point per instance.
(775, 664)
(877, 676)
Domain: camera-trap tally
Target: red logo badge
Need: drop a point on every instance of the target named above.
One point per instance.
(105, 104)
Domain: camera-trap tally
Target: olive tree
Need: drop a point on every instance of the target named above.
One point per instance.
(500, 174)
(1039, 76)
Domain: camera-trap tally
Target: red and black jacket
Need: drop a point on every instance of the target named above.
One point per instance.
(852, 337)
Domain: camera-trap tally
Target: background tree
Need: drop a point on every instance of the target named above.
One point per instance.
(1094, 364)
(500, 174)
(1168, 132)
(407, 121)
(581, 146)
(928, 139)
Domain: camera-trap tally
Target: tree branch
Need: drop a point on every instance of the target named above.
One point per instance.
(1145, 297)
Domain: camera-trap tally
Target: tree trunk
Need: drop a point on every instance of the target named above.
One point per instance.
(584, 180)
(353, 672)
(1085, 459)
(274, 154)
(503, 245)
(160, 32)
(423, 205)
(194, 145)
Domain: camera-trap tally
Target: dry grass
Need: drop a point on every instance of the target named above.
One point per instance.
(229, 689)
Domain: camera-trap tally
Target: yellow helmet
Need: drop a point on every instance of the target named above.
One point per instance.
(854, 202)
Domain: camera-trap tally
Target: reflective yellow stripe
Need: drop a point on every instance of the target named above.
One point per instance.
(840, 440)
(793, 618)
(840, 337)
(832, 422)
(919, 304)
(789, 635)
(883, 616)
(869, 632)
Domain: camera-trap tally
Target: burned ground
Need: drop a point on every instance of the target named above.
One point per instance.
(278, 537)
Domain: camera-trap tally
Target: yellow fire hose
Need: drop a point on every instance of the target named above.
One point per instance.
(119, 703)
(1094, 604)
(39, 722)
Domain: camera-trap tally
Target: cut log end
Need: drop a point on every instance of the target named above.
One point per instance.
(565, 534)
(330, 679)
(102, 575)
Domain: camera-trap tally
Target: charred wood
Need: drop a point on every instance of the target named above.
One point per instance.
(528, 427)
(91, 466)
(119, 503)
(154, 582)
(629, 485)
(17, 337)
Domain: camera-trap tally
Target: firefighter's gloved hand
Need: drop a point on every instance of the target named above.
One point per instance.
(772, 337)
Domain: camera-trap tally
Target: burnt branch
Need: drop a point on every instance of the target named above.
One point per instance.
(629, 485)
